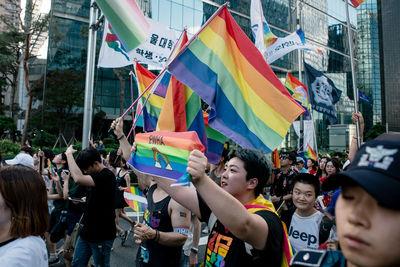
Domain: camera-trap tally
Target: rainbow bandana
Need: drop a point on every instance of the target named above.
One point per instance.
(165, 154)
(260, 203)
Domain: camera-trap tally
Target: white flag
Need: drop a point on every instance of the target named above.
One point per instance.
(154, 51)
(270, 46)
(308, 133)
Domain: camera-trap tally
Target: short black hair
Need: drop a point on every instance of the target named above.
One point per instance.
(306, 178)
(87, 158)
(256, 165)
(27, 149)
(64, 157)
(114, 159)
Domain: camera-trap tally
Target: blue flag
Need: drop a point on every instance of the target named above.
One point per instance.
(322, 92)
(363, 96)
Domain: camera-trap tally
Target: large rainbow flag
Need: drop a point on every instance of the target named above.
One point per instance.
(135, 199)
(299, 92)
(152, 109)
(128, 21)
(248, 102)
(165, 154)
(356, 3)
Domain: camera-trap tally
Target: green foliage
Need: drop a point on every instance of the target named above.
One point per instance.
(8, 147)
(48, 140)
(7, 124)
(375, 131)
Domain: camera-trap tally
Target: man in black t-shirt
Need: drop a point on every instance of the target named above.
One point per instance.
(98, 233)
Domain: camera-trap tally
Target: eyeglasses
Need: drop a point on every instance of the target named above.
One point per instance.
(284, 157)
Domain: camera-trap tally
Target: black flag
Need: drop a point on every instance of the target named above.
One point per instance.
(322, 92)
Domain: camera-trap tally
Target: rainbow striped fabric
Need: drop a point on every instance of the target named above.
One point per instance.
(215, 141)
(152, 109)
(182, 111)
(299, 92)
(275, 158)
(165, 154)
(261, 203)
(311, 153)
(127, 20)
(248, 102)
(135, 199)
(356, 3)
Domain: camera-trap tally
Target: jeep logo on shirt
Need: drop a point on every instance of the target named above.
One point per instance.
(311, 239)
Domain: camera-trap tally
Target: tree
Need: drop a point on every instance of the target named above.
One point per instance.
(20, 40)
(64, 99)
(375, 131)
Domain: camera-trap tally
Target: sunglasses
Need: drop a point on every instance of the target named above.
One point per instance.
(284, 157)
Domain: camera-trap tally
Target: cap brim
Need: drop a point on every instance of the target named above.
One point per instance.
(11, 162)
(385, 189)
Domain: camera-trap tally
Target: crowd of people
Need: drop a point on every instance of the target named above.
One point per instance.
(332, 211)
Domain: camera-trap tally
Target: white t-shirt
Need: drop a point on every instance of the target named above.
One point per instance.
(24, 252)
(304, 231)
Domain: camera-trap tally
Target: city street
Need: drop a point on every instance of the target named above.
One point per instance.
(122, 256)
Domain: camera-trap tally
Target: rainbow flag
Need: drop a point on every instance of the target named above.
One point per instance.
(299, 92)
(261, 203)
(50, 167)
(127, 20)
(275, 158)
(182, 111)
(356, 3)
(135, 199)
(310, 153)
(248, 102)
(152, 109)
(215, 140)
(165, 154)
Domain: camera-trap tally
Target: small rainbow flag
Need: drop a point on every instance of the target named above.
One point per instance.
(50, 167)
(299, 92)
(152, 109)
(275, 158)
(356, 3)
(165, 154)
(127, 20)
(135, 199)
(310, 153)
(228, 72)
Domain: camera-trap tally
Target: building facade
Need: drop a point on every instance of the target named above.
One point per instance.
(323, 22)
(390, 60)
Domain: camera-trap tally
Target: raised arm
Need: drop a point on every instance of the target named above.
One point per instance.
(248, 227)
(353, 145)
(76, 173)
(118, 125)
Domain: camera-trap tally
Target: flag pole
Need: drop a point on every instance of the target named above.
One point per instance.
(90, 65)
(301, 137)
(353, 75)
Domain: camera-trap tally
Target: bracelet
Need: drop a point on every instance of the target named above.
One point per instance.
(157, 237)
(194, 250)
(122, 136)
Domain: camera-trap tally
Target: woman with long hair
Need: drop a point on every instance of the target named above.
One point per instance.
(321, 170)
(24, 217)
(332, 167)
(312, 166)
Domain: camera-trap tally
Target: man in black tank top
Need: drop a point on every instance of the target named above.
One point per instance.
(163, 231)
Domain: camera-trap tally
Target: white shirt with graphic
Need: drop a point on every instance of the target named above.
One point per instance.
(304, 231)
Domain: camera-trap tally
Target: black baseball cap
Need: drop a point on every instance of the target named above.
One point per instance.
(376, 168)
